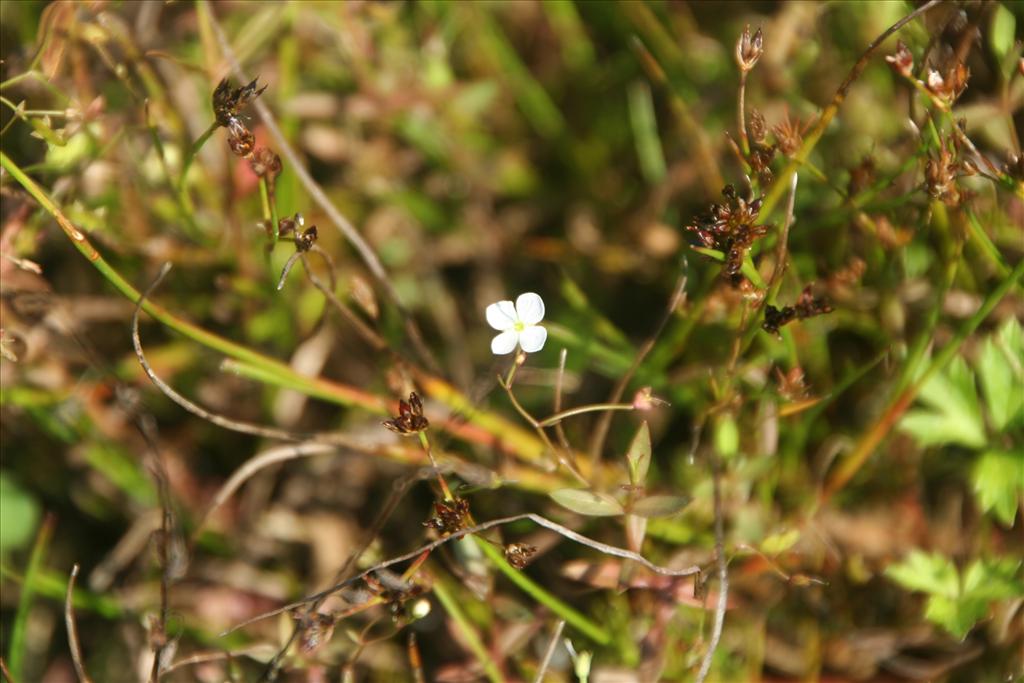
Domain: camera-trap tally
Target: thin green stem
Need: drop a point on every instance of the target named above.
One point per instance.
(867, 444)
(469, 633)
(580, 410)
(16, 652)
(190, 156)
(535, 591)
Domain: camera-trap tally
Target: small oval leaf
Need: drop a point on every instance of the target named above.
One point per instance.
(659, 506)
(588, 503)
(780, 542)
(639, 455)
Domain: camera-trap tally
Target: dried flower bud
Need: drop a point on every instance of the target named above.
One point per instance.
(748, 50)
(950, 86)
(861, 176)
(792, 386)
(265, 163)
(227, 103)
(902, 61)
(410, 418)
(241, 140)
(645, 400)
(789, 134)
(519, 554)
(305, 240)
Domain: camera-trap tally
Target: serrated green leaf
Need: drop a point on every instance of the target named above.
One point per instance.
(999, 483)
(1001, 35)
(1001, 384)
(639, 455)
(990, 580)
(955, 416)
(780, 542)
(956, 616)
(928, 573)
(590, 503)
(652, 507)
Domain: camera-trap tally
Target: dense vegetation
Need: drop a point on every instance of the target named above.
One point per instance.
(762, 418)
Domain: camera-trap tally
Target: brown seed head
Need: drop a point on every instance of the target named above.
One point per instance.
(748, 50)
(228, 102)
(519, 554)
(265, 163)
(410, 418)
(451, 516)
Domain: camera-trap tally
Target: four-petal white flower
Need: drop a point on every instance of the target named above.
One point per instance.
(517, 324)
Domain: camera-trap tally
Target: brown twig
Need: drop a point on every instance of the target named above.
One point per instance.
(454, 536)
(370, 336)
(605, 421)
(69, 621)
(557, 403)
(6, 672)
(253, 465)
(723, 572)
(549, 652)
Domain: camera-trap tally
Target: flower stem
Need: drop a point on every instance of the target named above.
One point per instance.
(580, 410)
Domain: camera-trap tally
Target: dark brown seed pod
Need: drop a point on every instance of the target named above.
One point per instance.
(265, 163)
(451, 516)
(240, 140)
(518, 554)
(410, 419)
(228, 102)
(305, 240)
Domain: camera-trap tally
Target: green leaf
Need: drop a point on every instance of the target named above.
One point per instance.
(933, 574)
(780, 542)
(998, 483)
(639, 455)
(588, 503)
(1001, 35)
(955, 416)
(727, 436)
(1001, 377)
(990, 580)
(956, 616)
(19, 514)
(659, 506)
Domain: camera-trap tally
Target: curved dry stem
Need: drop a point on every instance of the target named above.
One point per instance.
(430, 547)
(549, 652)
(69, 621)
(217, 419)
(364, 330)
(605, 421)
(253, 465)
(723, 573)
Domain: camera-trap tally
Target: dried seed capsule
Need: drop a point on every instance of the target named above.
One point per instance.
(265, 163)
(748, 50)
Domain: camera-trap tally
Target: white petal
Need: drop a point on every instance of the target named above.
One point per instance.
(530, 308)
(501, 316)
(504, 343)
(532, 338)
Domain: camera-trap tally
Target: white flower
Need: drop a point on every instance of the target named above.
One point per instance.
(517, 324)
